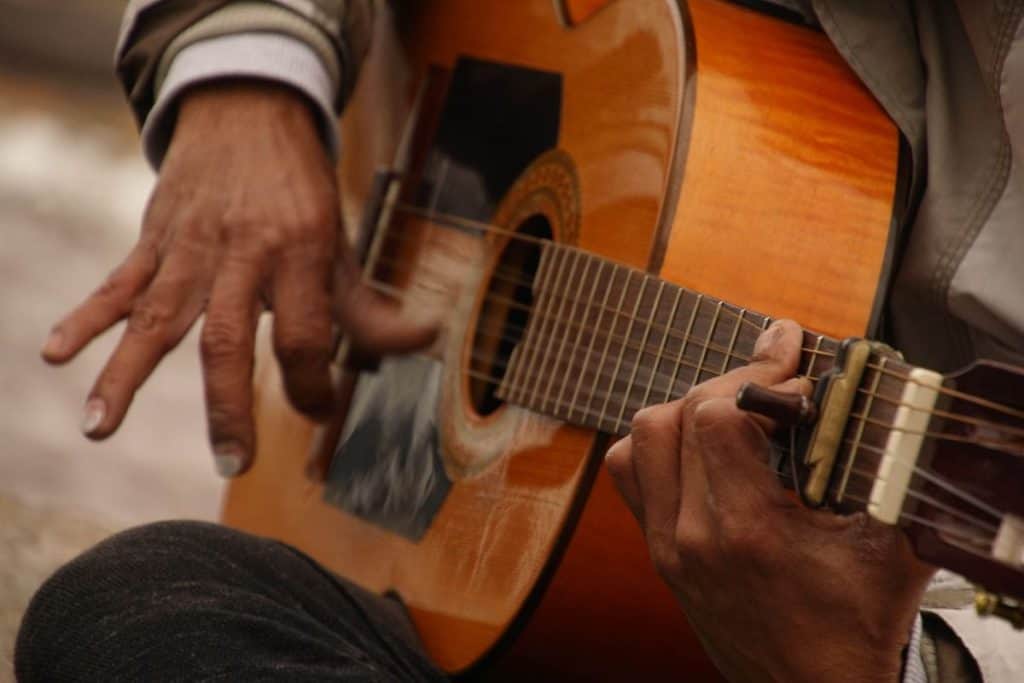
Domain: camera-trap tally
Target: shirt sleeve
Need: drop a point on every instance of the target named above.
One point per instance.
(155, 33)
(913, 666)
(267, 56)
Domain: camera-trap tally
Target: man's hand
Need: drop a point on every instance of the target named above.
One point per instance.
(245, 215)
(775, 591)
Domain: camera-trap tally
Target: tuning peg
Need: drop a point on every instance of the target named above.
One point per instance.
(789, 410)
(986, 603)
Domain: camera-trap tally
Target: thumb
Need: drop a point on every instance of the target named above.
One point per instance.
(375, 323)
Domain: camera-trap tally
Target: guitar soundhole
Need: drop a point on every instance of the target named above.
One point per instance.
(504, 313)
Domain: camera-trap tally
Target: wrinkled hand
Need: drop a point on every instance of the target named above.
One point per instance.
(245, 215)
(775, 591)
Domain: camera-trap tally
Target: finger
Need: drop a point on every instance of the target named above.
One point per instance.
(656, 450)
(226, 347)
(302, 329)
(733, 450)
(619, 461)
(373, 322)
(775, 359)
(111, 302)
(157, 322)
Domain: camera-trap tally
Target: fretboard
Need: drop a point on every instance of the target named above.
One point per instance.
(605, 340)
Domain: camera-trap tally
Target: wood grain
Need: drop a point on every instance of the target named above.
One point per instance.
(783, 207)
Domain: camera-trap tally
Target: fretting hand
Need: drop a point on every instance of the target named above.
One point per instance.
(245, 215)
(776, 592)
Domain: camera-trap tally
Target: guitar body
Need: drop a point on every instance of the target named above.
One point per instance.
(725, 150)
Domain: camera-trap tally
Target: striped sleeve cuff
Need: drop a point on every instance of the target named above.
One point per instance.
(269, 56)
(913, 665)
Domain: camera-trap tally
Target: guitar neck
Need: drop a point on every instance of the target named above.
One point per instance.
(605, 340)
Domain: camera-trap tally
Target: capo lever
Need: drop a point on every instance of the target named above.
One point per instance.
(789, 410)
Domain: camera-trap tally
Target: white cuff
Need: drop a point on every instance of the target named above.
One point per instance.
(269, 56)
(913, 666)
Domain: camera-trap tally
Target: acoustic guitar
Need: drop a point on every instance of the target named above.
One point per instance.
(600, 195)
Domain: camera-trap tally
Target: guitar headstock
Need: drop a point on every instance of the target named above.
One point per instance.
(967, 511)
(940, 456)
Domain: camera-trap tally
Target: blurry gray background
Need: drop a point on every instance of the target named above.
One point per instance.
(72, 190)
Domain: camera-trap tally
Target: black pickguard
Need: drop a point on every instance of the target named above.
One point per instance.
(387, 466)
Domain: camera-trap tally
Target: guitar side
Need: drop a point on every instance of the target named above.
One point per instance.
(733, 153)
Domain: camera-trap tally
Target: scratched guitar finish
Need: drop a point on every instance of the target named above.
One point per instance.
(607, 199)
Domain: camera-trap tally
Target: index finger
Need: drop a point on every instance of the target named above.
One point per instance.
(775, 359)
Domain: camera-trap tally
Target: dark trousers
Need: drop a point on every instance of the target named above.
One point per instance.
(187, 601)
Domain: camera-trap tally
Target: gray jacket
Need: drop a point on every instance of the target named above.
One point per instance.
(949, 73)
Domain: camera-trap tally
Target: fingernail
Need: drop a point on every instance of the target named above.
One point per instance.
(54, 343)
(95, 411)
(768, 338)
(615, 448)
(228, 459)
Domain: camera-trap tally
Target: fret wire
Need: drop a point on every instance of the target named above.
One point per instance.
(607, 344)
(661, 348)
(521, 350)
(869, 401)
(732, 342)
(920, 471)
(525, 349)
(458, 221)
(561, 348)
(942, 436)
(514, 304)
(538, 329)
(682, 346)
(593, 336)
(579, 331)
(942, 483)
(622, 351)
(639, 355)
(919, 494)
(399, 294)
(707, 342)
(814, 356)
(548, 330)
(952, 531)
(816, 353)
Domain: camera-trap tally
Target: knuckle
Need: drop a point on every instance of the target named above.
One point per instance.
(647, 421)
(744, 537)
(220, 341)
(149, 319)
(664, 556)
(711, 415)
(315, 219)
(691, 539)
(110, 383)
(221, 421)
(115, 288)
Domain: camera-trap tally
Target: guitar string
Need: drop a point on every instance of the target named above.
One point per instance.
(930, 476)
(936, 479)
(983, 540)
(933, 502)
(951, 531)
(466, 223)
(687, 339)
(786, 476)
(533, 374)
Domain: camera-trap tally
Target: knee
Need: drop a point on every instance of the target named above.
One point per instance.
(94, 594)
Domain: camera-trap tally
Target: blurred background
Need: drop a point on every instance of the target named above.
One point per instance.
(73, 186)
